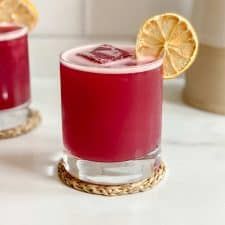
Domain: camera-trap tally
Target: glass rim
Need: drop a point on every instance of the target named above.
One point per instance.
(107, 70)
(11, 35)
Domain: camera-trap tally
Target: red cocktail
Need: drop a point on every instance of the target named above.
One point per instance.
(14, 75)
(111, 110)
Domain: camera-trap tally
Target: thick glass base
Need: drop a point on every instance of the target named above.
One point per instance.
(112, 173)
(11, 118)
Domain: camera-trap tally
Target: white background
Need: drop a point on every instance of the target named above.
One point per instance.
(93, 18)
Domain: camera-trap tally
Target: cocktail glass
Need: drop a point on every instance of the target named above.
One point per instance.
(111, 116)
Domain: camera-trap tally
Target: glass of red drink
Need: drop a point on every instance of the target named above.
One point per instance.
(111, 114)
(14, 75)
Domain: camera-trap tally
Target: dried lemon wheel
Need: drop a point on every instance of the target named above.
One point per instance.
(169, 36)
(21, 12)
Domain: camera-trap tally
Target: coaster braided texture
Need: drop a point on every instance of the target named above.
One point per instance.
(32, 122)
(111, 190)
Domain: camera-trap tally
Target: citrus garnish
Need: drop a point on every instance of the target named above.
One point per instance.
(20, 12)
(172, 37)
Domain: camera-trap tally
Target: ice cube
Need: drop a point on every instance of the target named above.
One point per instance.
(105, 54)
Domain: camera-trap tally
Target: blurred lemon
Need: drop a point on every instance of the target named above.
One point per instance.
(21, 12)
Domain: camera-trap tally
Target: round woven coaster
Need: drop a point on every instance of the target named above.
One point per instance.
(33, 119)
(111, 190)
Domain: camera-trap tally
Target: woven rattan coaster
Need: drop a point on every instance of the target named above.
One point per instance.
(32, 122)
(109, 190)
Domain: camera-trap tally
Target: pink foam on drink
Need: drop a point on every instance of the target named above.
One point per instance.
(107, 56)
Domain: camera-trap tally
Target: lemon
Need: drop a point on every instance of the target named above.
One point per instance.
(20, 12)
(172, 37)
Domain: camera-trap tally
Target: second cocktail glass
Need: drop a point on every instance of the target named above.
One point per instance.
(14, 75)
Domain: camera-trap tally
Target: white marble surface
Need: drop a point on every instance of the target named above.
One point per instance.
(193, 191)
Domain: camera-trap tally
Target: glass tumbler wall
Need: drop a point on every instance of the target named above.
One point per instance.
(111, 120)
(14, 75)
